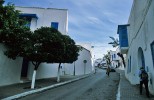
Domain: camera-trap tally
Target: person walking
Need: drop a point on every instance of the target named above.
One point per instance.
(108, 71)
(143, 80)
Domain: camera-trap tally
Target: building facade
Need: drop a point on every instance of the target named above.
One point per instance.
(12, 71)
(82, 66)
(140, 51)
(114, 59)
(20, 69)
(50, 17)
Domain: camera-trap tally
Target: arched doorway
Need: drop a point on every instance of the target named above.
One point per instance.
(141, 61)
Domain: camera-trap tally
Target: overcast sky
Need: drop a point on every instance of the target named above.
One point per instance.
(89, 21)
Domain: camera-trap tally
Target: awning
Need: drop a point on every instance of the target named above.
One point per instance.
(28, 15)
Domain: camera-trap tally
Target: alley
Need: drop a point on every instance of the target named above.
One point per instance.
(96, 87)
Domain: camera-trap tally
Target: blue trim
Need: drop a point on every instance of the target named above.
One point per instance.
(128, 67)
(123, 38)
(130, 64)
(152, 51)
(28, 15)
(54, 25)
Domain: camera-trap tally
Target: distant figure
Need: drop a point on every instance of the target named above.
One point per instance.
(95, 70)
(143, 80)
(108, 71)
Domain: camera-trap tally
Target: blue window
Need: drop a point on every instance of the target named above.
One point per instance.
(28, 22)
(129, 65)
(54, 25)
(114, 56)
(28, 18)
(152, 51)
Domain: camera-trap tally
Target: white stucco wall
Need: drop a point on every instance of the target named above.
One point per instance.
(79, 65)
(10, 70)
(46, 16)
(44, 71)
(140, 34)
(50, 70)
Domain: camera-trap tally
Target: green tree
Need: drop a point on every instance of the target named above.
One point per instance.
(10, 24)
(49, 45)
(70, 53)
(107, 57)
(114, 42)
(13, 32)
(44, 45)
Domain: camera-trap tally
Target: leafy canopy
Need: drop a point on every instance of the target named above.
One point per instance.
(49, 45)
(13, 32)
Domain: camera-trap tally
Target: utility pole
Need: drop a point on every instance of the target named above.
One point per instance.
(84, 61)
(74, 68)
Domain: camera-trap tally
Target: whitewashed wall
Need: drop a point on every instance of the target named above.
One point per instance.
(44, 71)
(114, 60)
(46, 16)
(50, 70)
(79, 65)
(140, 34)
(10, 70)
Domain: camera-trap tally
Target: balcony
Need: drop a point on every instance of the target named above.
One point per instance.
(123, 38)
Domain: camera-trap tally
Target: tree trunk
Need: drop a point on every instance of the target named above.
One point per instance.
(58, 73)
(33, 80)
(34, 74)
(84, 68)
(122, 57)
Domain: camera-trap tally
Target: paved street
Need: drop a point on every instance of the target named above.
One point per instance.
(95, 87)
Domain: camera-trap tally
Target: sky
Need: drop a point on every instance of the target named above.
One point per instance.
(89, 21)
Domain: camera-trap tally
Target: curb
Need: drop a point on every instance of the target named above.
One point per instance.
(43, 89)
(118, 92)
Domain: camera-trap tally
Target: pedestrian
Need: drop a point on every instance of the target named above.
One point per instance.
(143, 80)
(108, 71)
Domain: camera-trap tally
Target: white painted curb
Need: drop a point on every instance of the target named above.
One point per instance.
(118, 92)
(42, 89)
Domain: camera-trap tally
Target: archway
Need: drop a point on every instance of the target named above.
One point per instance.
(141, 61)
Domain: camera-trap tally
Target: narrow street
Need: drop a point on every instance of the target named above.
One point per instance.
(96, 87)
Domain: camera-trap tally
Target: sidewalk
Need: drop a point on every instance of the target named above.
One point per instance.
(15, 89)
(130, 92)
(126, 90)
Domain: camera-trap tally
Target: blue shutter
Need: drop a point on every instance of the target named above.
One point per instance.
(152, 51)
(54, 25)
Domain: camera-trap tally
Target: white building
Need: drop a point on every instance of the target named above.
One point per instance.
(114, 59)
(38, 17)
(82, 66)
(21, 68)
(140, 47)
(10, 70)
(50, 70)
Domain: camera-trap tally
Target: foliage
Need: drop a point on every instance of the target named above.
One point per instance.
(70, 50)
(49, 45)
(122, 57)
(107, 57)
(115, 42)
(13, 33)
